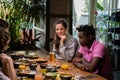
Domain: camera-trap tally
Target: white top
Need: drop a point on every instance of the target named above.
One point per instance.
(3, 77)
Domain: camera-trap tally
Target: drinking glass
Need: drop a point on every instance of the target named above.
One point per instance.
(52, 57)
(38, 76)
(22, 66)
(65, 57)
(64, 65)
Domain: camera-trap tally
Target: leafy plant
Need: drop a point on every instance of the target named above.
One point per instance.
(18, 12)
(100, 7)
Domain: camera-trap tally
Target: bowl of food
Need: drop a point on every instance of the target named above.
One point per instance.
(41, 60)
(16, 64)
(50, 76)
(43, 65)
(32, 56)
(33, 66)
(31, 74)
(66, 76)
(16, 56)
(51, 68)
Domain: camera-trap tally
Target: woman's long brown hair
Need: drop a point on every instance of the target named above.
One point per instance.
(56, 38)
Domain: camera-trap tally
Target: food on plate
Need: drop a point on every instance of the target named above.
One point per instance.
(41, 60)
(66, 76)
(50, 76)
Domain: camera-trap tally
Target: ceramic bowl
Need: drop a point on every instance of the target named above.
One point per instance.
(51, 68)
(50, 76)
(16, 64)
(66, 76)
(42, 65)
(16, 57)
(33, 66)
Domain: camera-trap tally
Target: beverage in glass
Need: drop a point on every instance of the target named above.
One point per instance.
(64, 66)
(38, 76)
(52, 57)
(22, 66)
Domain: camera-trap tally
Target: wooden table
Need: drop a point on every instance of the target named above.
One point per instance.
(72, 69)
(77, 72)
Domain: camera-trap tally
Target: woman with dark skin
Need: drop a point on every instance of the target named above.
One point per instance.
(92, 55)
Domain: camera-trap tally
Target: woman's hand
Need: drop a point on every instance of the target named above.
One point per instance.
(7, 66)
(62, 40)
(4, 58)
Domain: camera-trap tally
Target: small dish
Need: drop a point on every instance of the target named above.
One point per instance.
(50, 76)
(16, 57)
(65, 76)
(16, 64)
(51, 68)
(33, 66)
(29, 74)
(32, 56)
(43, 65)
(41, 60)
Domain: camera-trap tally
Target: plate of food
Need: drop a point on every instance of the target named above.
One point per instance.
(50, 76)
(16, 56)
(32, 56)
(41, 60)
(27, 73)
(66, 76)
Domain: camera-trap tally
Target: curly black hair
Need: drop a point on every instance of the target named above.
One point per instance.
(87, 29)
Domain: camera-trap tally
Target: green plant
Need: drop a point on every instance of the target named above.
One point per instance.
(19, 12)
(99, 7)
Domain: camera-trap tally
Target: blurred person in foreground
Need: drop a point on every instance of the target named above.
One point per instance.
(7, 71)
(64, 45)
(92, 56)
(4, 25)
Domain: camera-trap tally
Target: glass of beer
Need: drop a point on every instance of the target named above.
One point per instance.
(52, 57)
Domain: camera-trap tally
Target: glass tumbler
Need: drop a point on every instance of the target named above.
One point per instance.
(52, 57)
(65, 65)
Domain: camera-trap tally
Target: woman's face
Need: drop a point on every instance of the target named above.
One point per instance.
(60, 30)
(84, 40)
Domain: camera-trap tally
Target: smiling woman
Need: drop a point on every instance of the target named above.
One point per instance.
(64, 43)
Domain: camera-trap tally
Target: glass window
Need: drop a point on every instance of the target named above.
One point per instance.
(102, 16)
(80, 14)
(118, 4)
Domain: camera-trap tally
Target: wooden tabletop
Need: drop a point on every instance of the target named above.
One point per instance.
(83, 75)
